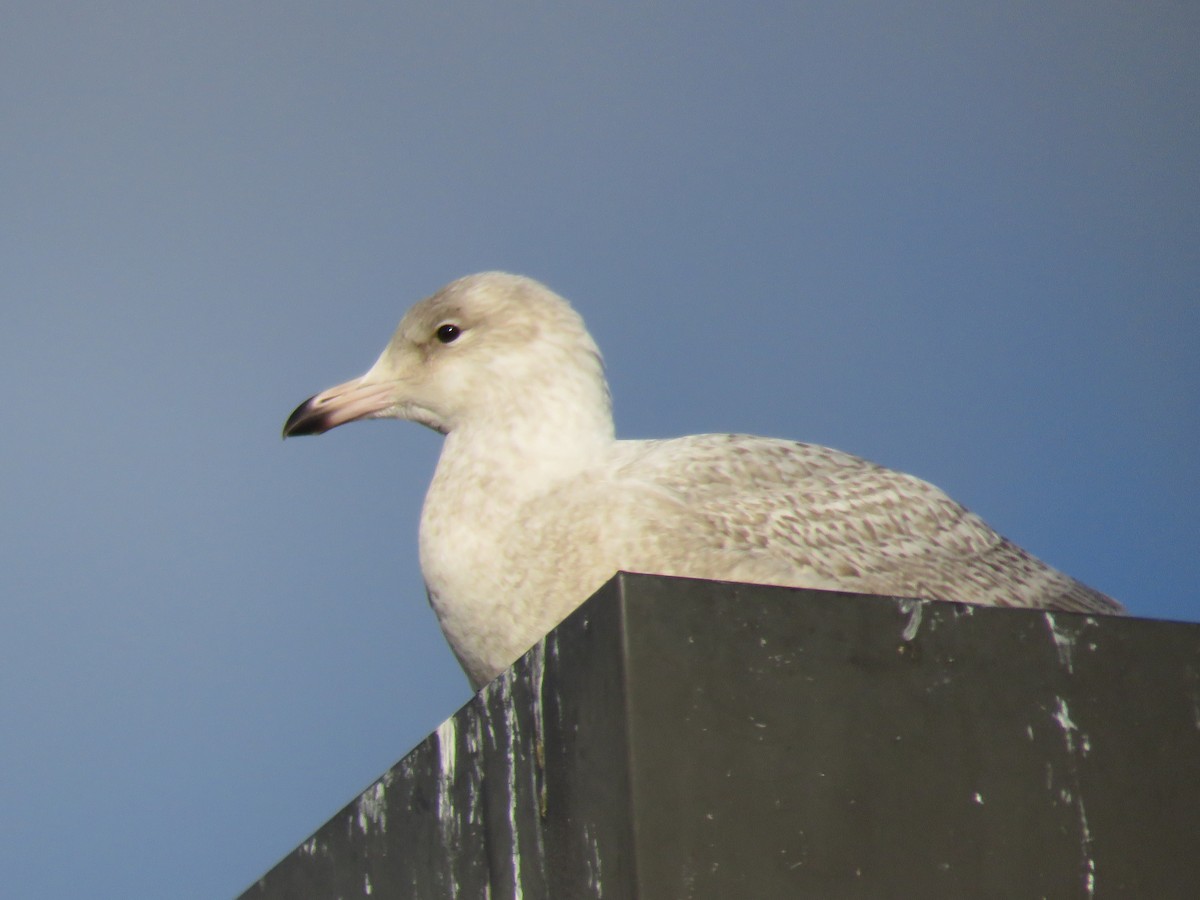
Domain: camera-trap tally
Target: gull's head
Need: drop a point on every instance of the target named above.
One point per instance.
(483, 350)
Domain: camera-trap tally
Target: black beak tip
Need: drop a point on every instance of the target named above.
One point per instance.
(303, 420)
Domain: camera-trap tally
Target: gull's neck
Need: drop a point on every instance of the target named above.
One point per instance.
(521, 437)
(542, 442)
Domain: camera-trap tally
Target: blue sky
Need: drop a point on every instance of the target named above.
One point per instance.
(960, 240)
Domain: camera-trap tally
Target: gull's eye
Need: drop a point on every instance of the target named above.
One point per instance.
(448, 333)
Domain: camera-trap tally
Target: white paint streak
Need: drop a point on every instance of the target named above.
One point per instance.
(537, 665)
(550, 646)
(593, 862)
(474, 742)
(913, 609)
(507, 744)
(1075, 796)
(510, 727)
(446, 737)
(1063, 718)
(448, 816)
(1090, 861)
(1064, 644)
(372, 806)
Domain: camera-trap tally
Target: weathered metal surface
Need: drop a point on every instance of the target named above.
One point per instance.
(679, 738)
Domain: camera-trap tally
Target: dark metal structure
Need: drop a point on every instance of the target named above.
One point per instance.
(690, 739)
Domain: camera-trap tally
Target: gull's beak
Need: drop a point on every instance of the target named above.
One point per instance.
(361, 398)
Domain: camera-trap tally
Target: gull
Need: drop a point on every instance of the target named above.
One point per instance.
(534, 503)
